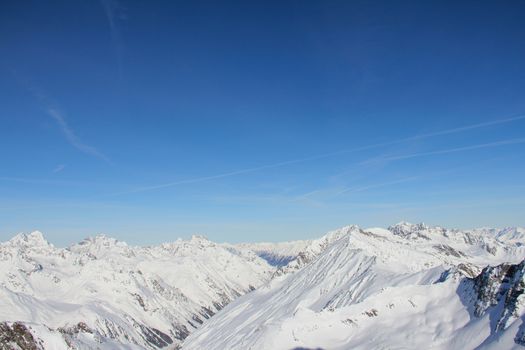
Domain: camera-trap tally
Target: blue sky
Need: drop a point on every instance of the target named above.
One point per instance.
(250, 121)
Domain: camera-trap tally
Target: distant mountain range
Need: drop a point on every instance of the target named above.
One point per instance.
(410, 286)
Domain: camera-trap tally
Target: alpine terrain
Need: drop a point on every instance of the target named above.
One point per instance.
(410, 286)
(102, 293)
(407, 287)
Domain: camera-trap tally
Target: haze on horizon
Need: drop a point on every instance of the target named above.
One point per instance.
(258, 121)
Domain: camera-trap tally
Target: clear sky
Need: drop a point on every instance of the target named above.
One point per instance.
(251, 121)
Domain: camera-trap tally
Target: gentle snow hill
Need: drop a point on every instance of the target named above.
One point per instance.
(408, 286)
(102, 293)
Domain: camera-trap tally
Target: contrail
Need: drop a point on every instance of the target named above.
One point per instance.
(466, 128)
(44, 181)
(434, 174)
(54, 113)
(353, 150)
(369, 187)
(72, 138)
(110, 10)
(458, 149)
(59, 168)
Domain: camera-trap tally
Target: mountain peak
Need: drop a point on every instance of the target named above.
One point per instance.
(512, 234)
(35, 238)
(102, 239)
(98, 244)
(407, 224)
(408, 230)
(199, 238)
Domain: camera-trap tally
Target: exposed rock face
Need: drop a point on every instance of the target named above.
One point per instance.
(411, 231)
(501, 290)
(17, 336)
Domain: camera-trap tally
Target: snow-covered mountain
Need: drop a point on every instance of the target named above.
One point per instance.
(102, 293)
(409, 287)
(276, 254)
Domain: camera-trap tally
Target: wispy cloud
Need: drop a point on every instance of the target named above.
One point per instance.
(465, 128)
(377, 185)
(112, 10)
(385, 159)
(329, 193)
(50, 203)
(50, 108)
(448, 151)
(109, 9)
(72, 138)
(44, 181)
(59, 168)
(317, 197)
(353, 150)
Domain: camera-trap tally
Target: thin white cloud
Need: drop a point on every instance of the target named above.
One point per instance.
(378, 185)
(466, 128)
(49, 107)
(452, 150)
(59, 168)
(353, 150)
(317, 197)
(44, 181)
(109, 10)
(332, 192)
(112, 10)
(72, 138)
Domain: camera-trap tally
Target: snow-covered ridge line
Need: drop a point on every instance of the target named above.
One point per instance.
(408, 286)
(283, 254)
(290, 248)
(149, 297)
(103, 293)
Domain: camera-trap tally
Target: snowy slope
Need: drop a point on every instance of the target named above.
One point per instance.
(276, 254)
(408, 287)
(102, 291)
(291, 256)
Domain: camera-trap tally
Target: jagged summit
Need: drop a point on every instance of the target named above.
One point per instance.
(408, 224)
(202, 239)
(35, 238)
(409, 230)
(102, 293)
(514, 234)
(102, 239)
(100, 245)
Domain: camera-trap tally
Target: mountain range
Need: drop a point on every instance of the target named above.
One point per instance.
(409, 286)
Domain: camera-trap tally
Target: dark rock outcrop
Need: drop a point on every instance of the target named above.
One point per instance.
(17, 336)
(500, 290)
